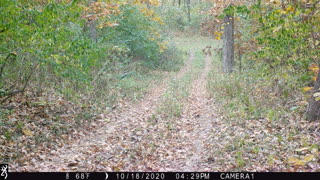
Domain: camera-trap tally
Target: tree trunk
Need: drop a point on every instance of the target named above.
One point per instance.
(92, 25)
(228, 45)
(240, 57)
(188, 7)
(313, 110)
(93, 30)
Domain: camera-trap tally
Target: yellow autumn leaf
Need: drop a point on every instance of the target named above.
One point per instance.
(155, 2)
(162, 46)
(27, 132)
(292, 159)
(313, 67)
(308, 158)
(296, 161)
(314, 78)
(305, 89)
(289, 9)
(157, 19)
(300, 163)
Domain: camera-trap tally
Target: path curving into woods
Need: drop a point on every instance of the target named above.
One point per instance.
(195, 126)
(128, 139)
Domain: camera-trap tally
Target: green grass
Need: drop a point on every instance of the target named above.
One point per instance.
(133, 81)
(269, 102)
(252, 94)
(177, 93)
(128, 83)
(195, 43)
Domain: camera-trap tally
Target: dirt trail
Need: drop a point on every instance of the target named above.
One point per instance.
(195, 126)
(132, 139)
(199, 114)
(114, 143)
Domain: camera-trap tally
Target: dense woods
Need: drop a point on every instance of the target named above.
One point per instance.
(69, 68)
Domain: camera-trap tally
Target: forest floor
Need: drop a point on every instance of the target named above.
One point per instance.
(133, 139)
(142, 136)
(176, 127)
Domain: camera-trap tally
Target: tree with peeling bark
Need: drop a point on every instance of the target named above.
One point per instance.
(228, 44)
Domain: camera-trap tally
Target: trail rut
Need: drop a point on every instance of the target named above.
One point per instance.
(113, 143)
(195, 126)
(129, 139)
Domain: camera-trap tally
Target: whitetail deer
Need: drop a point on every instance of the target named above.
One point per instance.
(207, 50)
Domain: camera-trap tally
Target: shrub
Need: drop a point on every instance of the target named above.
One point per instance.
(135, 31)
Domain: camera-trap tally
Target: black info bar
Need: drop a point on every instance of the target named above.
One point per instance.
(158, 175)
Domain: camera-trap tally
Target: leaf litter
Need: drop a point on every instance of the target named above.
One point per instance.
(130, 138)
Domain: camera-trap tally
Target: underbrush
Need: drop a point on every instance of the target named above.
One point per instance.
(57, 78)
(253, 94)
(127, 83)
(176, 18)
(70, 55)
(50, 119)
(262, 120)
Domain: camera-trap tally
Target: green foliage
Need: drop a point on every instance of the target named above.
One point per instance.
(286, 35)
(239, 159)
(255, 94)
(48, 41)
(276, 44)
(174, 18)
(46, 44)
(136, 32)
(171, 59)
(231, 10)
